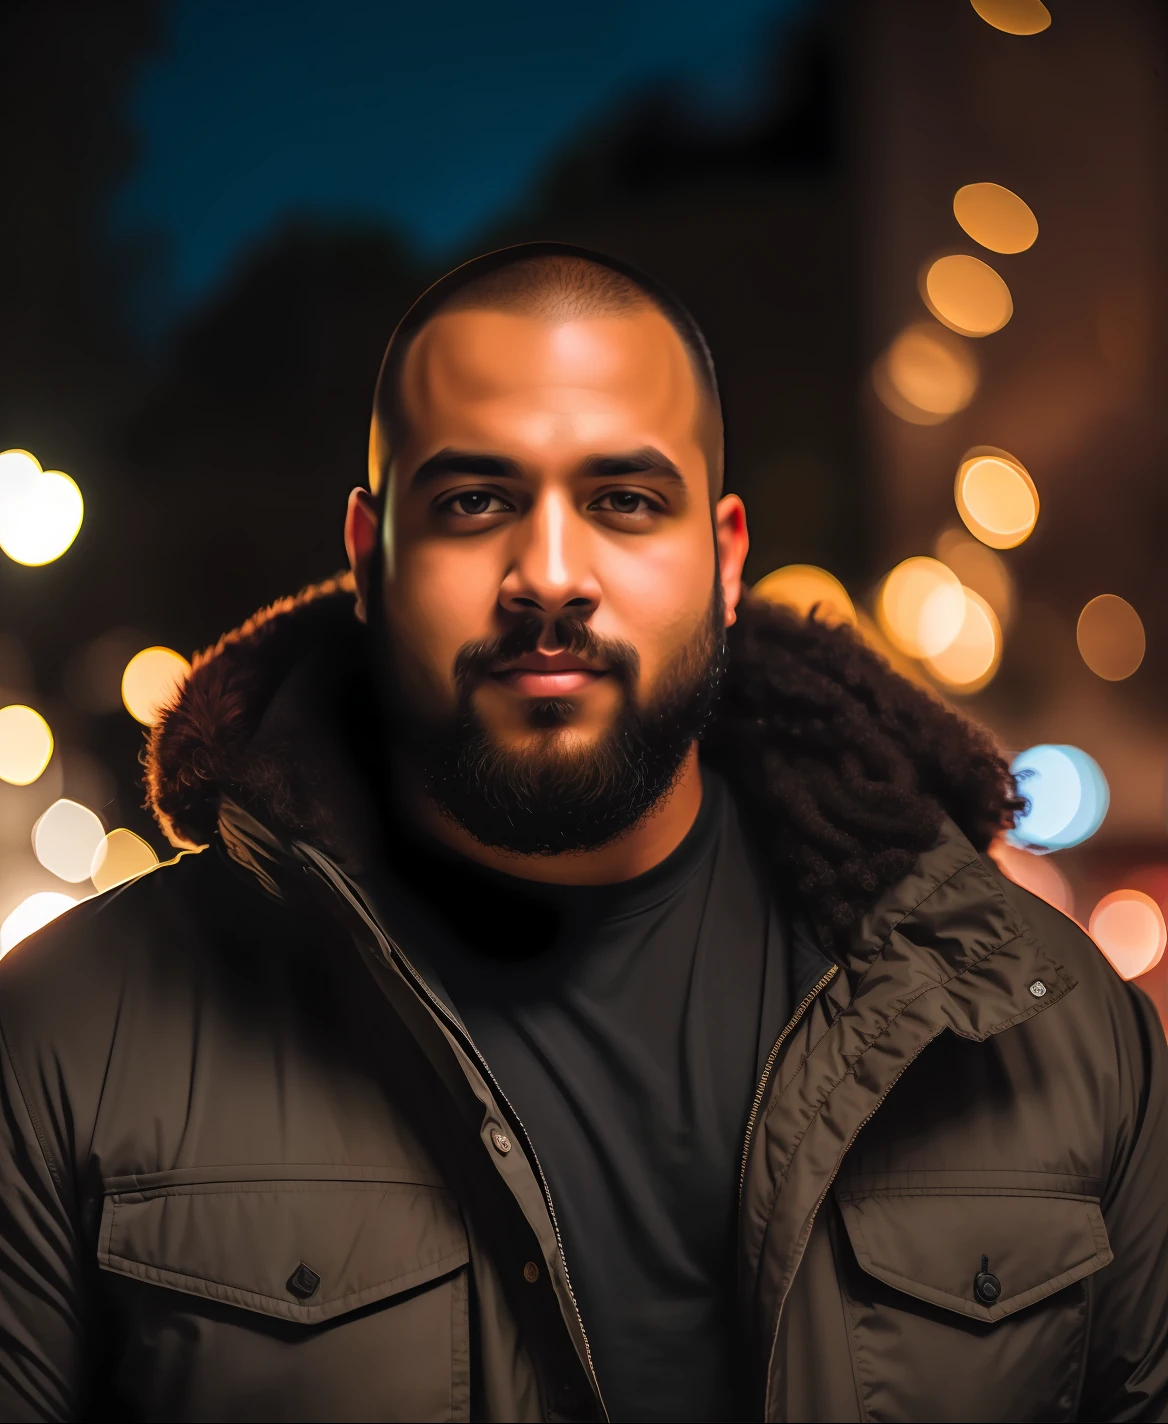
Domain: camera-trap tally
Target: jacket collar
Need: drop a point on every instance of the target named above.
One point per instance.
(272, 740)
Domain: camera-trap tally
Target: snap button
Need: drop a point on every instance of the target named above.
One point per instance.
(1038, 988)
(986, 1286)
(501, 1141)
(531, 1273)
(303, 1281)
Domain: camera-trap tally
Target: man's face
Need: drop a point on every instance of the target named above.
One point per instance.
(553, 584)
(554, 470)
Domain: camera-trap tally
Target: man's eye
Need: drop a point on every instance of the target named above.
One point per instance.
(468, 503)
(626, 502)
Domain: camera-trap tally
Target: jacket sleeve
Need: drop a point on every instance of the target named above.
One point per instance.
(1127, 1372)
(40, 1288)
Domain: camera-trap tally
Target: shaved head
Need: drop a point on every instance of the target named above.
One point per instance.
(552, 283)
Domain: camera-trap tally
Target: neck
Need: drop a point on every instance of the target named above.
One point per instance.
(647, 844)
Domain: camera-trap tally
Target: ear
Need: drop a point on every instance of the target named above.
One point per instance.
(733, 544)
(360, 542)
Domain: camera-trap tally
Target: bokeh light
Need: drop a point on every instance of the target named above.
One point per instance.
(65, 838)
(120, 856)
(980, 569)
(1036, 873)
(26, 744)
(33, 914)
(150, 681)
(967, 295)
(92, 676)
(996, 497)
(1110, 635)
(926, 375)
(995, 217)
(1015, 17)
(921, 607)
(40, 510)
(1068, 796)
(972, 658)
(804, 587)
(1128, 926)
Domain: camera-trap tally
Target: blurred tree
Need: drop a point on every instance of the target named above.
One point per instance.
(242, 454)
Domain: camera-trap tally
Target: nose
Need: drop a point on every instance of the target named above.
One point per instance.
(551, 573)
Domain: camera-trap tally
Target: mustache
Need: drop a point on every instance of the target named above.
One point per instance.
(475, 661)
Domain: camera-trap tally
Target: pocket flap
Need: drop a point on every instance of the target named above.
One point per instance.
(929, 1243)
(244, 1243)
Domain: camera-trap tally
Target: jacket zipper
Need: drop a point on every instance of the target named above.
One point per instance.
(827, 1188)
(393, 949)
(759, 1092)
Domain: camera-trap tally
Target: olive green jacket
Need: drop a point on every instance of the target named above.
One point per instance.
(252, 1168)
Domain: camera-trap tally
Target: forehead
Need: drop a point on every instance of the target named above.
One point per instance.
(475, 366)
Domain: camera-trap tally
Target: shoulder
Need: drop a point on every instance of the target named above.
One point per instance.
(66, 989)
(1105, 1017)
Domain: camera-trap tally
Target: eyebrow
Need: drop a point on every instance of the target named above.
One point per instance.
(466, 462)
(647, 459)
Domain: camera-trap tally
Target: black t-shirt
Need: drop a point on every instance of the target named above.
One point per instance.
(628, 1025)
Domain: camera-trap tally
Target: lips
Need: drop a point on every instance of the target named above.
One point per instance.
(548, 675)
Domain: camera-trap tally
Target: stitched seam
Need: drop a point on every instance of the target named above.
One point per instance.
(143, 1195)
(218, 1290)
(1075, 1176)
(852, 1328)
(214, 1174)
(1021, 1193)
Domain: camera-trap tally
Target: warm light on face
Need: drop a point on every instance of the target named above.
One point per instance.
(1128, 926)
(1068, 796)
(31, 915)
(150, 682)
(40, 510)
(971, 659)
(996, 498)
(1015, 17)
(995, 217)
(65, 839)
(804, 587)
(1110, 635)
(921, 607)
(967, 295)
(120, 856)
(26, 744)
(926, 375)
(630, 548)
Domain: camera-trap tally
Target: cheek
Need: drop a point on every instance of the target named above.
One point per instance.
(439, 599)
(655, 594)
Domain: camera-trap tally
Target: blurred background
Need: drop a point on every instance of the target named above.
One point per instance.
(924, 239)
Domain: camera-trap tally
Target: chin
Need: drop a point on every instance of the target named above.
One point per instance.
(550, 730)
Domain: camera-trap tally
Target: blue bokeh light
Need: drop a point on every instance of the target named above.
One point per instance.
(1068, 796)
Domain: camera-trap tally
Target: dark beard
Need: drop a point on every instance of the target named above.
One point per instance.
(547, 801)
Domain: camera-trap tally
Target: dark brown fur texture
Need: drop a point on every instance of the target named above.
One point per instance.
(844, 768)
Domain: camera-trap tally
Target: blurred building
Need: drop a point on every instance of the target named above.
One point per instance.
(1075, 120)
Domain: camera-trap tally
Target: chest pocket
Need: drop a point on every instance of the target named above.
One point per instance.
(252, 1294)
(967, 1300)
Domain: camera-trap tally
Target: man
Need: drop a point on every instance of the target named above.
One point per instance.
(503, 1057)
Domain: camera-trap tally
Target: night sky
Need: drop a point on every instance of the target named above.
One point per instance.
(432, 118)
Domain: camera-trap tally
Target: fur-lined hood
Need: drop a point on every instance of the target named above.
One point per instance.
(846, 770)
